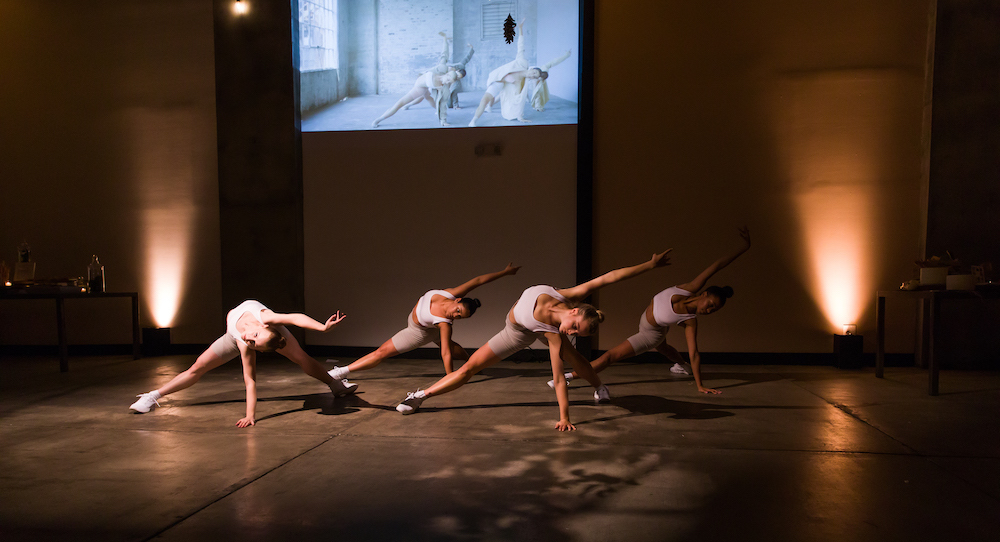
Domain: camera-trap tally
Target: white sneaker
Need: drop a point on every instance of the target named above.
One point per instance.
(144, 404)
(341, 387)
(568, 376)
(602, 395)
(411, 404)
(337, 372)
(681, 369)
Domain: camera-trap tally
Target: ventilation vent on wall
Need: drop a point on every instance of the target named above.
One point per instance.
(494, 14)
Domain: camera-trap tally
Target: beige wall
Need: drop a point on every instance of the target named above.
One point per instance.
(390, 215)
(800, 120)
(107, 147)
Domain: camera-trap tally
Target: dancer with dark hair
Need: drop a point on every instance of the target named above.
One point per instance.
(676, 305)
(450, 94)
(432, 86)
(430, 321)
(552, 316)
(250, 328)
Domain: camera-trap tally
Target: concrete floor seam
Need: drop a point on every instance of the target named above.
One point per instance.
(233, 488)
(926, 457)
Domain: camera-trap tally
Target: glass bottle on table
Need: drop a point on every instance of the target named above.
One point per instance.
(95, 276)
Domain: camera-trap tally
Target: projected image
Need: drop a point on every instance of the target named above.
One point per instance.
(413, 64)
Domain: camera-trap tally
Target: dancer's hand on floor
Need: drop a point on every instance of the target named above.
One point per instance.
(245, 422)
(564, 425)
(708, 390)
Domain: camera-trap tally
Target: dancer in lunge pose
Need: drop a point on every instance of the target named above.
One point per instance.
(549, 314)
(509, 84)
(450, 96)
(430, 321)
(681, 305)
(432, 86)
(250, 328)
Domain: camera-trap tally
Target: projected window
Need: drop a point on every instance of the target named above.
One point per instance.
(414, 64)
(317, 35)
(494, 15)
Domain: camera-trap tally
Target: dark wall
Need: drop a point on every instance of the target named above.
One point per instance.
(260, 164)
(964, 195)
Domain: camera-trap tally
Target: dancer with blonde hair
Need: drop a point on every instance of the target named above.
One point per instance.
(250, 328)
(553, 316)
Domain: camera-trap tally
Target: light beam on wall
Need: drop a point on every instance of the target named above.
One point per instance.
(835, 221)
(163, 147)
(168, 242)
(832, 129)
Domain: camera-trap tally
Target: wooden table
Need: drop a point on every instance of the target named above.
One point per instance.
(930, 304)
(60, 299)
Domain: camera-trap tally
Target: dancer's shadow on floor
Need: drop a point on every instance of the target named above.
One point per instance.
(646, 405)
(747, 379)
(327, 404)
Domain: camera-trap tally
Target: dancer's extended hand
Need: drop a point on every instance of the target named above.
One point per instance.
(511, 269)
(745, 234)
(333, 321)
(709, 390)
(564, 425)
(661, 259)
(244, 422)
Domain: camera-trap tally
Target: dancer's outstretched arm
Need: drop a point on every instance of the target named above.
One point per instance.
(464, 289)
(691, 334)
(581, 291)
(699, 282)
(555, 61)
(557, 342)
(249, 359)
(301, 320)
(520, 42)
(464, 61)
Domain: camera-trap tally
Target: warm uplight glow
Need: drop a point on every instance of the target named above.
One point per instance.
(834, 135)
(240, 7)
(850, 329)
(835, 222)
(164, 152)
(169, 238)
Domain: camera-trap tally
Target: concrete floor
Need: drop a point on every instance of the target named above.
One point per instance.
(357, 113)
(785, 453)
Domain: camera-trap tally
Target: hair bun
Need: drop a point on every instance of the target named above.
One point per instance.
(727, 292)
(600, 315)
(479, 304)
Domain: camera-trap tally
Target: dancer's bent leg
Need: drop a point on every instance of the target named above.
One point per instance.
(313, 368)
(487, 100)
(369, 361)
(207, 361)
(222, 350)
(481, 359)
(407, 98)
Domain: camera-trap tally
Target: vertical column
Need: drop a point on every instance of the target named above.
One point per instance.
(260, 157)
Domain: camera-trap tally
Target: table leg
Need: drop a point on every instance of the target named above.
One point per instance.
(136, 351)
(932, 354)
(61, 330)
(879, 337)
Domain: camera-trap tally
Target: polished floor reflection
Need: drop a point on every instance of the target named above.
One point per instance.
(785, 453)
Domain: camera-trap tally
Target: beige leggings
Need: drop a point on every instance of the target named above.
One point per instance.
(648, 337)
